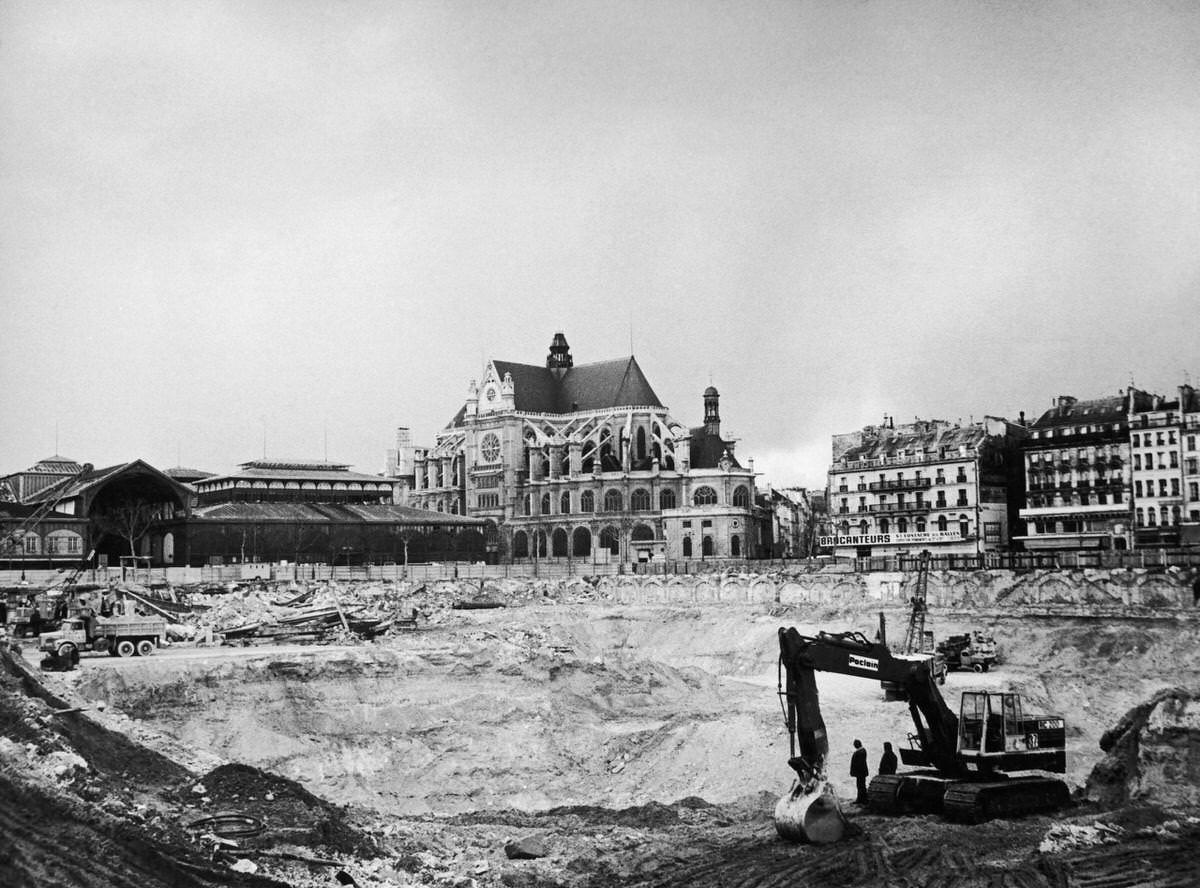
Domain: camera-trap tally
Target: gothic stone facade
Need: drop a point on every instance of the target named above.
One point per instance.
(584, 462)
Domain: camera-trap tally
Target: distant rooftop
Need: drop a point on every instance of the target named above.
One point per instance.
(301, 464)
(182, 473)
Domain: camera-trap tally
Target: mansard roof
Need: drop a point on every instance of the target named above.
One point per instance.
(927, 437)
(1070, 412)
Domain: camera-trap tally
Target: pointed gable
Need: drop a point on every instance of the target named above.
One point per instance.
(605, 384)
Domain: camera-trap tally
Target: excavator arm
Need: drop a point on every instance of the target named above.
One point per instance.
(851, 653)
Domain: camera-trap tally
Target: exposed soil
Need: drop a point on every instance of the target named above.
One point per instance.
(642, 745)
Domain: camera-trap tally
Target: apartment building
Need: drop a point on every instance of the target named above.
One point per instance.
(1079, 492)
(1166, 470)
(950, 488)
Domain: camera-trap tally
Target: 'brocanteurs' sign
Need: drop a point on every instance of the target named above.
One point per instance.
(892, 539)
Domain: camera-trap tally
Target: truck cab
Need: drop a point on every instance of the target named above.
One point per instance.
(71, 636)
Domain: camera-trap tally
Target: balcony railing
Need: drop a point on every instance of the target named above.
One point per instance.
(900, 507)
(901, 484)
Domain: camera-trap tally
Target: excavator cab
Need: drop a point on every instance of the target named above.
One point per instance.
(995, 734)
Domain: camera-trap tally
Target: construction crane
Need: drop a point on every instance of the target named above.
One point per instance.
(44, 508)
(915, 641)
(16, 537)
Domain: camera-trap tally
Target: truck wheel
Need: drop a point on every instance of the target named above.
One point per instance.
(66, 652)
(125, 648)
(145, 648)
(978, 667)
(987, 666)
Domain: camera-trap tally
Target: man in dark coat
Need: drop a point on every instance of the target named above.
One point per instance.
(887, 761)
(858, 770)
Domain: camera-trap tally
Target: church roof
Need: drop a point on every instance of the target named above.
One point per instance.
(597, 386)
(706, 449)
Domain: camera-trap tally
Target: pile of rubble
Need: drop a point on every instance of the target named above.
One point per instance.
(1153, 754)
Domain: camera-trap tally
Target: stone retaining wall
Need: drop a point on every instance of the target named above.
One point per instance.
(1054, 591)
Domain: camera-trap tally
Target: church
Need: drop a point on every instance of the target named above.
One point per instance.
(584, 462)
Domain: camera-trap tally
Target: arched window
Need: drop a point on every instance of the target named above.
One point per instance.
(581, 542)
(610, 540)
(441, 506)
(559, 542)
(1163, 513)
(901, 525)
(964, 526)
(564, 503)
(613, 501)
(735, 546)
(545, 504)
(942, 522)
(1175, 514)
(666, 499)
(1151, 517)
(741, 498)
(920, 525)
(884, 525)
(587, 501)
(704, 496)
(520, 544)
(641, 443)
(642, 532)
(687, 547)
(845, 528)
(639, 500)
(863, 527)
(706, 547)
(1141, 517)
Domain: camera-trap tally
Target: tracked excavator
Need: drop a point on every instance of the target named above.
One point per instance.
(969, 766)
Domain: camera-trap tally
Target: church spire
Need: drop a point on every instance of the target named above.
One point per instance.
(560, 358)
(712, 416)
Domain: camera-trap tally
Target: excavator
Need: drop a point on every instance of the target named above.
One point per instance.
(965, 762)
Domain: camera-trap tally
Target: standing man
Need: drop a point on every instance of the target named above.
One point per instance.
(888, 761)
(858, 770)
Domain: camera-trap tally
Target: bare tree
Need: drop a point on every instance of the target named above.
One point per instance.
(128, 519)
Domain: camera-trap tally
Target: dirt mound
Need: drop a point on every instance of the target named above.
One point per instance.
(77, 801)
(49, 838)
(285, 808)
(1153, 754)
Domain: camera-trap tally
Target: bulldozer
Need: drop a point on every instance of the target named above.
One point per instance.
(969, 767)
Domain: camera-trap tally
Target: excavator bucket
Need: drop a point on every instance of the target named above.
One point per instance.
(814, 816)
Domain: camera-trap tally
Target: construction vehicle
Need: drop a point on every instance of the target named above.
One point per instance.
(122, 635)
(966, 760)
(973, 650)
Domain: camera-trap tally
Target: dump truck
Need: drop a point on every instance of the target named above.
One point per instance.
(973, 650)
(122, 636)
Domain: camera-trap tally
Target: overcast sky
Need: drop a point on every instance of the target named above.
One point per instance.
(319, 219)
